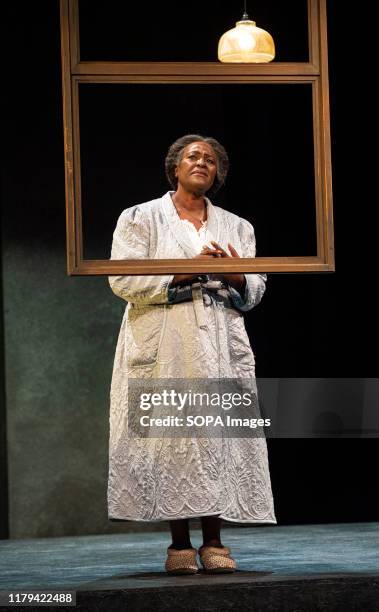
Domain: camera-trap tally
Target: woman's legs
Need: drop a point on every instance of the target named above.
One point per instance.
(180, 534)
(210, 525)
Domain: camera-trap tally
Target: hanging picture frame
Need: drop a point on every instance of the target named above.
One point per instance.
(152, 80)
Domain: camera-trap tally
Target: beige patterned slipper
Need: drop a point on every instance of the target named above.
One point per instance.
(181, 561)
(217, 560)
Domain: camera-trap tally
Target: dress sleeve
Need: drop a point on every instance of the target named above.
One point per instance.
(255, 283)
(131, 240)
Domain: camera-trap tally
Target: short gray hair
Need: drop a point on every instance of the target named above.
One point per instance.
(175, 154)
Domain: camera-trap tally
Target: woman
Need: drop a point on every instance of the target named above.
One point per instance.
(186, 326)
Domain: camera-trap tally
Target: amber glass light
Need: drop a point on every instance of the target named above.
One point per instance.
(246, 44)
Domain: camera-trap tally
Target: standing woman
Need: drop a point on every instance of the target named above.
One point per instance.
(186, 326)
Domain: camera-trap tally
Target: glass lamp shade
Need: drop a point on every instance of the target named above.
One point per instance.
(246, 44)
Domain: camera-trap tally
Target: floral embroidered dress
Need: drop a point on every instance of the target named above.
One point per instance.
(155, 479)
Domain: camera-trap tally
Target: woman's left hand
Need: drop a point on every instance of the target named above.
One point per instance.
(236, 280)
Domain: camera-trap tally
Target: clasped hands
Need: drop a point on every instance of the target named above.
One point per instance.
(236, 280)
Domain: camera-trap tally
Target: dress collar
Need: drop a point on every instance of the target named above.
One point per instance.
(179, 232)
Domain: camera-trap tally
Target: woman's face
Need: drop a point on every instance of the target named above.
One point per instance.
(197, 168)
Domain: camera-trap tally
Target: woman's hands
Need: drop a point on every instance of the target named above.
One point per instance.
(206, 253)
(236, 280)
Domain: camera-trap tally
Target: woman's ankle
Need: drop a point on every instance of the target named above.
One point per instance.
(181, 546)
(214, 543)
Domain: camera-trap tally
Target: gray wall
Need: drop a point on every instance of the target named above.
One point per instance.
(60, 332)
(60, 335)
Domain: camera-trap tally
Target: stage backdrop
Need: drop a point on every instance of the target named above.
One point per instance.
(60, 333)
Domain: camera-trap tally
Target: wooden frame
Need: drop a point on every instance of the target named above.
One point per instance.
(314, 72)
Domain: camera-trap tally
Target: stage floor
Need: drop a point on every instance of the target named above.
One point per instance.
(334, 567)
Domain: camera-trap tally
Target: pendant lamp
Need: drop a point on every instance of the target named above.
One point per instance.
(246, 43)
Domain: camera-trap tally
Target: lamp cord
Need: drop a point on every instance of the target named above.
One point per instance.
(245, 16)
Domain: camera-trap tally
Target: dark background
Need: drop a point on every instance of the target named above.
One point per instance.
(267, 132)
(126, 130)
(59, 333)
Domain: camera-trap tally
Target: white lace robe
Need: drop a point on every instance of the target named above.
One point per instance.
(173, 478)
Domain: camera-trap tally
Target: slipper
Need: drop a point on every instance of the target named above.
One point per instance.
(181, 561)
(217, 560)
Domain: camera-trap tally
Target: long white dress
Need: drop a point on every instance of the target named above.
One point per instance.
(155, 479)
